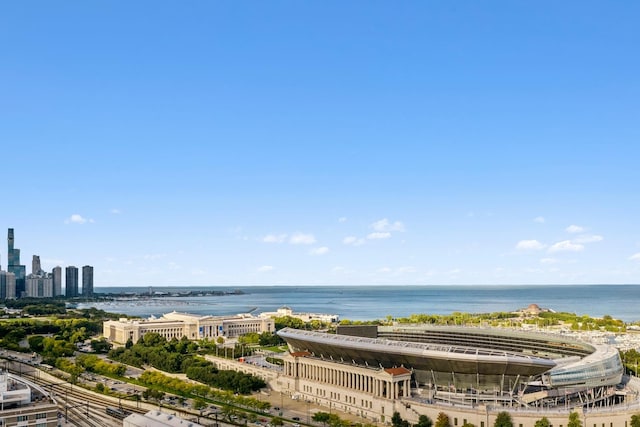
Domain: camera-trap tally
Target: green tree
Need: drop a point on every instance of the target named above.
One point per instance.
(250, 338)
(396, 420)
(36, 343)
(153, 339)
(199, 404)
(228, 412)
(153, 394)
(321, 417)
(635, 420)
(443, 420)
(574, 420)
(468, 424)
(424, 421)
(544, 422)
(503, 420)
(101, 345)
(335, 421)
(277, 421)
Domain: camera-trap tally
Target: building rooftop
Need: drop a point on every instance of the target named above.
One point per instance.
(158, 419)
(16, 391)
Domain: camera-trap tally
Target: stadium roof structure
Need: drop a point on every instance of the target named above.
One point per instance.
(417, 355)
(489, 353)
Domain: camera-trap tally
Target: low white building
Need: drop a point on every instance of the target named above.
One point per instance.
(157, 419)
(192, 326)
(23, 403)
(305, 317)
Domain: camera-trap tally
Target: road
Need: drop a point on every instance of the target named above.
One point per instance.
(76, 399)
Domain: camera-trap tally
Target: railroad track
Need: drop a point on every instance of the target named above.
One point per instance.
(81, 407)
(84, 408)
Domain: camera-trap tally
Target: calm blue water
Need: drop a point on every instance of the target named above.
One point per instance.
(377, 302)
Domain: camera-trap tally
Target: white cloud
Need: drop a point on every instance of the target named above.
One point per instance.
(384, 225)
(115, 211)
(588, 238)
(378, 235)
(635, 257)
(152, 257)
(574, 229)
(406, 269)
(352, 240)
(173, 266)
(302, 239)
(342, 219)
(384, 270)
(535, 245)
(548, 261)
(274, 238)
(319, 251)
(539, 219)
(77, 219)
(566, 246)
(265, 268)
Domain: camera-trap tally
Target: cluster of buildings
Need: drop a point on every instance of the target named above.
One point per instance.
(196, 327)
(305, 317)
(192, 326)
(15, 283)
(24, 403)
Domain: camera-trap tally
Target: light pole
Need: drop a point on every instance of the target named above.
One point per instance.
(486, 410)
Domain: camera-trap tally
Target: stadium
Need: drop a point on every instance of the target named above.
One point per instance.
(465, 366)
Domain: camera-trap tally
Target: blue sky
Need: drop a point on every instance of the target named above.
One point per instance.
(286, 142)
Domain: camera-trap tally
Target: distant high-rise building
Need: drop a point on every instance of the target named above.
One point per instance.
(7, 285)
(87, 281)
(56, 274)
(71, 281)
(39, 286)
(14, 264)
(3, 284)
(35, 266)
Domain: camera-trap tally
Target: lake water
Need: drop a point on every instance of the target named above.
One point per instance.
(377, 302)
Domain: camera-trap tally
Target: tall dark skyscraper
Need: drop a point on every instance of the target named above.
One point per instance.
(87, 281)
(35, 266)
(14, 265)
(71, 281)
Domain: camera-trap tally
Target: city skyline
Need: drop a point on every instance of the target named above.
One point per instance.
(16, 283)
(307, 143)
